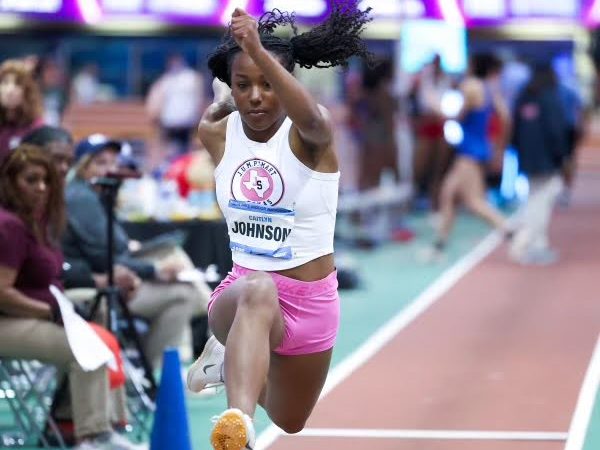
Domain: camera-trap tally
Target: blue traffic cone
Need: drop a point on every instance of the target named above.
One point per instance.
(170, 430)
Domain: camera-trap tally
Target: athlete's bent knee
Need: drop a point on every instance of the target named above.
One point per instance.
(291, 425)
(261, 292)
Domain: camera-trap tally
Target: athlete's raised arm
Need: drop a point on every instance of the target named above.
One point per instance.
(213, 123)
(313, 126)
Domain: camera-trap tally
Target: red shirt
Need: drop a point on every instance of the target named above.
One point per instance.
(37, 265)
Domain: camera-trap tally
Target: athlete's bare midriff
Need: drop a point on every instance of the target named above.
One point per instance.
(314, 270)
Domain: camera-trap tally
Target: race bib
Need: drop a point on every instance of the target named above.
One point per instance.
(260, 229)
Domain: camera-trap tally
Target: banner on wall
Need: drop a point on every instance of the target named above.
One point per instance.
(218, 12)
(502, 11)
(192, 12)
(31, 6)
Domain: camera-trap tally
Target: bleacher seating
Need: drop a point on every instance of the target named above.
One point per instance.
(125, 119)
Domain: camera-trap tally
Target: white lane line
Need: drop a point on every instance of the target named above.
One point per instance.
(433, 434)
(585, 403)
(389, 330)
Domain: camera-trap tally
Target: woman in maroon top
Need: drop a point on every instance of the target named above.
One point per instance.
(31, 221)
(20, 104)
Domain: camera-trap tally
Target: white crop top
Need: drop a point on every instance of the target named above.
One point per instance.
(280, 214)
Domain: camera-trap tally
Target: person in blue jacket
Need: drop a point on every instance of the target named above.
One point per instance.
(541, 138)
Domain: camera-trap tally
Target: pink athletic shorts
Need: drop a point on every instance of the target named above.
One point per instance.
(311, 310)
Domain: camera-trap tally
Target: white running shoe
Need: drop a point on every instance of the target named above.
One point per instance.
(537, 257)
(233, 430)
(431, 255)
(207, 370)
(110, 441)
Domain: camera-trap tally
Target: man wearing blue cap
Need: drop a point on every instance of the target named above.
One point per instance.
(160, 299)
(95, 144)
(58, 142)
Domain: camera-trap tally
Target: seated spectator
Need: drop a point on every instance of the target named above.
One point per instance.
(31, 222)
(161, 299)
(58, 142)
(20, 104)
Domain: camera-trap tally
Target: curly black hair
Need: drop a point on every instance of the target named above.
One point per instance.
(329, 44)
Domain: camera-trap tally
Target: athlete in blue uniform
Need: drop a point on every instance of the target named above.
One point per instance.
(465, 179)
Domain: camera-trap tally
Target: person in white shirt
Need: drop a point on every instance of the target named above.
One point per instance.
(174, 103)
(86, 87)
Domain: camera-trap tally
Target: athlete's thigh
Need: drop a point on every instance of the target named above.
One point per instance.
(451, 182)
(294, 385)
(473, 187)
(224, 309)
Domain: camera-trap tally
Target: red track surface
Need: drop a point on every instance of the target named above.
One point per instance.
(506, 349)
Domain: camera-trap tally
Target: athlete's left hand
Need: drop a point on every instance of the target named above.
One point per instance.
(221, 91)
(244, 29)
